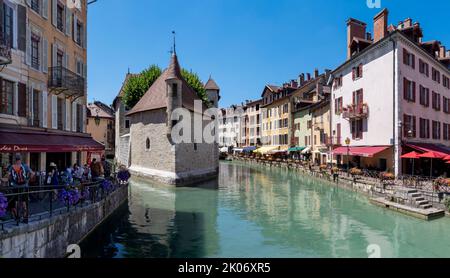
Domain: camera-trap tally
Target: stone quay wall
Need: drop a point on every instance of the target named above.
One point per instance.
(50, 237)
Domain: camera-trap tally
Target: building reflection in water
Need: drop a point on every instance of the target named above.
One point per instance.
(255, 211)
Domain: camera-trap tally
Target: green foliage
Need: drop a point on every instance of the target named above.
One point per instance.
(138, 85)
(194, 81)
(447, 203)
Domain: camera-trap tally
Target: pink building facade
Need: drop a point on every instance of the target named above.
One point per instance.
(390, 96)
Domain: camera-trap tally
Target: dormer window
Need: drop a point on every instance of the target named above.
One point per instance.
(175, 89)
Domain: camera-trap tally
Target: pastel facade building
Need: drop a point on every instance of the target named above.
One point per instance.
(390, 96)
(43, 88)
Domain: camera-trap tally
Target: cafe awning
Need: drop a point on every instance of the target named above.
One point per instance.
(25, 141)
(265, 150)
(426, 147)
(249, 149)
(360, 151)
(296, 149)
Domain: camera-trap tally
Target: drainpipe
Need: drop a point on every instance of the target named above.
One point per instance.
(394, 113)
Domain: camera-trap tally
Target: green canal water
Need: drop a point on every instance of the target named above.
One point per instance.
(253, 211)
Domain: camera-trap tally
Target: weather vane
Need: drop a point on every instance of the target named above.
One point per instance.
(174, 43)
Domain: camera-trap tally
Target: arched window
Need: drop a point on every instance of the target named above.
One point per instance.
(147, 144)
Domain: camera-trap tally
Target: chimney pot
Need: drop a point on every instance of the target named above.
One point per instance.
(355, 29)
(380, 22)
(308, 76)
(442, 51)
(316, 73)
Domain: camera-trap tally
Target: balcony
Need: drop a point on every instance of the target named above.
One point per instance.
(356, 112)
(333, 141)
(319, 125)
(62, 80)
(5, 53)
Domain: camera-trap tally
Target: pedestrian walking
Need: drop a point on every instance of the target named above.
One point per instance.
(19, 175)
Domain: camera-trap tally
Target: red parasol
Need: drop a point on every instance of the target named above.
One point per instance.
(411, 155)
(447, 158)
(432, 155)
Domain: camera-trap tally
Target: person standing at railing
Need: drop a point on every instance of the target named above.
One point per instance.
(96, 169)
(52, 177)
(106, 167)
(19, 177)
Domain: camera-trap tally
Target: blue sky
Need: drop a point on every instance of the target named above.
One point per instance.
(243, 44)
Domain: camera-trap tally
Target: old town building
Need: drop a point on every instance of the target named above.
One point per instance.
(310, 117)
(154, 152)
(391, 96)
(122, 126)
(43, 88)
(275, 117)
(100, 125)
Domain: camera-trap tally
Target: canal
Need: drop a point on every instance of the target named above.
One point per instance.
(254, 211)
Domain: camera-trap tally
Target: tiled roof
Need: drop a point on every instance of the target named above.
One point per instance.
(122, 89)
(100, 109)
(155, 97)
(211, 85)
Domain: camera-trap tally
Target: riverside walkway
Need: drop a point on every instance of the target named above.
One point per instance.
(56, 217)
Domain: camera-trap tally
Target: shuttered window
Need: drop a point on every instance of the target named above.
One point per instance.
(22, 100)
(424, 96)
(436, 130)
(424, 128)
(409, 90)
(6, 97)
(436, 101)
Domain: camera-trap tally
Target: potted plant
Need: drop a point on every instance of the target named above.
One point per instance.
(387, 176)
(355, 172)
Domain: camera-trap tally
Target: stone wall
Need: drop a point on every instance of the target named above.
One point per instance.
(123, 150)
(49, 238)
(179, 164)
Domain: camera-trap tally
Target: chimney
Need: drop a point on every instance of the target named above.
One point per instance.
(442, 51)
(316, 73)
(368, 36)
(355, 29)
(301, 79)
(380, 22)
(308, 76)
(294, 84)
(407, 23)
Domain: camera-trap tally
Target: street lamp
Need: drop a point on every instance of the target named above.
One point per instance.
(347, 142)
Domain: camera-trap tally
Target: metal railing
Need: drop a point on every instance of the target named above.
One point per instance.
(5, 52)
(29, 203)
(61, 78)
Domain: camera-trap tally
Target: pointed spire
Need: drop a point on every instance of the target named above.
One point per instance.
(174, 69)
(211, 84)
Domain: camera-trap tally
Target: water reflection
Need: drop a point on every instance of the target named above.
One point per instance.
(260, 212)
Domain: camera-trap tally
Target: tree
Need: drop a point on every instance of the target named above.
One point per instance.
(194, 81)
(139, 84)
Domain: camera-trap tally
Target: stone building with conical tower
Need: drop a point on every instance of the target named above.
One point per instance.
(153, 152)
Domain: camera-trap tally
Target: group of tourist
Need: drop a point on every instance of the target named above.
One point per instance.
(19, 177)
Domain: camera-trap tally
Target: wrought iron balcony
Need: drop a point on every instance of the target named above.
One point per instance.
(356, 111)
(5, 53)
(319, 125)
(65, 81)
(333, 141)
